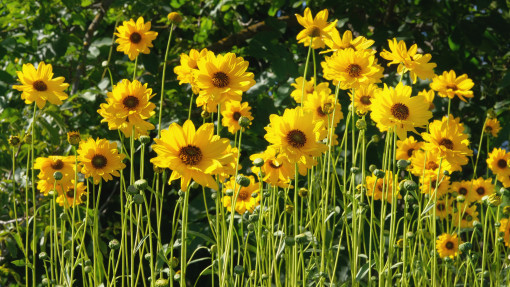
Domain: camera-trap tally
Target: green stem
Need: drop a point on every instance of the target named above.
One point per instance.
(163, 81)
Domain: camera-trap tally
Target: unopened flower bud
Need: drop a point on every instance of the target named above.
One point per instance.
(57, 175)
(376, 138)
(289, 208)
(238, 270)
(132, 190)
(162, 282)
(465, 247)
(303, 192)
(243, 180)
(372, 167)
(244, 122)
(378, 173)
(14, 140)
(141, 184)
(402, 164)
(205, 114)
(174, 17)
(43, 255)
(410, 185)
(361, 124)
(144, 139)
(138, 198)
(258, 162)
(114, 244)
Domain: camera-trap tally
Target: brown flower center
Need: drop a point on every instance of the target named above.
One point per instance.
(463, 191)
(467, 217)
(446, 143)
(296, 138)
(274, 165)
(502, 163)
(99, 161)
(410, 152)
(40, 86)
(135, 38)
(488, 129)
(314, 31)
(480, 191)
(70, 193)
(220, 80)
(57, 165)
(243, 195)
(449, 245)
(365, 100)
(190, 155)
(441, 207)
(130, 102)
(83, 197)
(431, 165)
(452, 87)
(236, 116)
(354, 70)
(320, 112)
(400, 111)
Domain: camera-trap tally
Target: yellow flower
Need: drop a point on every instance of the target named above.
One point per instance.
(429, 182)
(395, 109)
(381, 187)
(408, 60)
(221, 78)
(229, 163)
(492, 127)
(231, 111)
(174, 17)
(244, 201)
(447, 137)
(426, 163)
(337, 42)
(191, 154)
(317, 28)
(443, 208)
(128, 105)
(498, 162)
(185, 72)
(297, 94)
(321, 103)
(49, 165)
(73, 137)
(465, 215)
(39, 86)
(135, 38)
(406, 148)
(100, 159)
(480, 188)
(295, 134)
(449, 85)
(429, 97)
(464, 188)
(448, 245)
(277, 170)
(505, 228)
(352, 68)
(68, 199)
(362, 98)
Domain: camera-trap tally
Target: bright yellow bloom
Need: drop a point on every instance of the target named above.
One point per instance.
(449, 85)
(321, 103)
(49, 165)
(135, 38)
(464, 188)
(395, 109)
(362, 98)
(505, 228)
(448, 245)
(296, 135)
(337, 42)
(244, 201)
(497, 162)
(128, 105)
(465, 215)
(408, 60)
(174, 17)
(297, 94)
(185, 72)
(229, 162)
(406, 148)
(231, 111)
(100, 159)
(352, 68)
(447, 137)
(429, 182)
(480, 188)
(39, 86)
(381, 187)
(492, 127)
(443, 208)
(68, 198)
(426, 163)
(277, 169)
(191, 154)
(221, 78)
(317, 28)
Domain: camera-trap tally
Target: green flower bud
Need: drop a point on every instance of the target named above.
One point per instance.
(144, 139)
(141, 184)
(402, 164)
(161, 282)
(57, 175)
(114, 244)
(63, 216)
(290, 241)
(378, 173)
(43, 255)
(465, 247)
(138, 198)
(361, 124)
(243, 180)
(244, 122)
(258, 162)
(238, 270)
(132, 190)
(194, 185)
(372, 167)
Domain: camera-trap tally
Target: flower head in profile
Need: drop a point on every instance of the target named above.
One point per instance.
(316, 29)
(337, 42)
(69, 198)
(352, 68)
(505, 229)
(447, 245)
(324, 107)
(429, 97)
(135, 37)
(492, 127)
(448, 85)
(362, 98)
(191, 153)
(295, 134)
(39, 86)
(243, 195)
(309, 87)
(221, 78)
(406, 148)
(231, 112)
(49, 165)
(100, 159)
(381, 188)
(128, 105)
(395, 109)
(447, 137)
(188, 65)
(409, 60)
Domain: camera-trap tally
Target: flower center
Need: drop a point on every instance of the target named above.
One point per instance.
(354, 70)
(135, 38)
(40, 86)
(274, 165)
(463, 191)
(365, 100)
(314, 31)
(236, 116)
(488, 128)
(449, 245)
(58, 164)
(243, 195)
(400, 111)
(70, 193)
(320, 112)
(467, 217)
(431, 165)
(480, 191)
(296, 138)
(130, 102)
(190, 155)
(83, 197)
(99, 161)
(452, 87)
(440, 207)
(410, 152)
(446, 143)
(220, 80)
(502, 163)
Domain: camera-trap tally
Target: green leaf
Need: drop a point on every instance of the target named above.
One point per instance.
(363, 271)
(427, 208)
